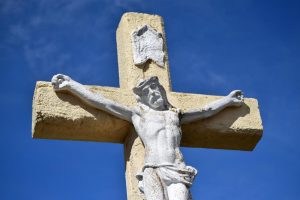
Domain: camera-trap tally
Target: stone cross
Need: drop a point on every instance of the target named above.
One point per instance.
(61, 116)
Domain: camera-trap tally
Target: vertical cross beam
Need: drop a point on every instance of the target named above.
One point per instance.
(129, 75)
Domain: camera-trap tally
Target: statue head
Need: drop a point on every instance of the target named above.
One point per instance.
(151, 93)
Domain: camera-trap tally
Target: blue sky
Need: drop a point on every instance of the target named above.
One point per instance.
(214, 46)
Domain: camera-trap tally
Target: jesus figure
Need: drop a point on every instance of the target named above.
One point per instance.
(165, 175)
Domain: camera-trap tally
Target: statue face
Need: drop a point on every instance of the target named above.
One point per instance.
(153, 95)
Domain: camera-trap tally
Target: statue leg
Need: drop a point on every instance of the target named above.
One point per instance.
(178, 191)
(153, 188)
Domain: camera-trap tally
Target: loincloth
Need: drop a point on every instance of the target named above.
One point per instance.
(169, 174)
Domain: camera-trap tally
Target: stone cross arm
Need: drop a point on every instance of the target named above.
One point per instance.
(62, 116)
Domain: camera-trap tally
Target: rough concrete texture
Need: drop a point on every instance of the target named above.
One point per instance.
(129, 73)
(61, 116)
(134, 152)
(233, 128)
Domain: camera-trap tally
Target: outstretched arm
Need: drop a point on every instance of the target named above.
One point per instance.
(62, 82)
(235, 98)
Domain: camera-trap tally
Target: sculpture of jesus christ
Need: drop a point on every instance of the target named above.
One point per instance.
(164, 175)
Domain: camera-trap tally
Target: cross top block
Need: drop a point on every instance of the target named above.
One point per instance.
(129, 72)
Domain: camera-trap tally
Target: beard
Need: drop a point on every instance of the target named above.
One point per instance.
(156, 101)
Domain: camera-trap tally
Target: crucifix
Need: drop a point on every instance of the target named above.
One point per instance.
(145, 115)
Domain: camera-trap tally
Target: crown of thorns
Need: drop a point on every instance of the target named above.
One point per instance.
(143, 83)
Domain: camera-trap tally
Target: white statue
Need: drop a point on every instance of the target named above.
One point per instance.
(164, 175)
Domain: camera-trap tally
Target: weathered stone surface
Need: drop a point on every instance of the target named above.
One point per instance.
(147, 44)
(61, 116)
(134, 154)
(233, 128)
(129, 73)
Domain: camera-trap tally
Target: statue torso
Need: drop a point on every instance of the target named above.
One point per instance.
(161, 134)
